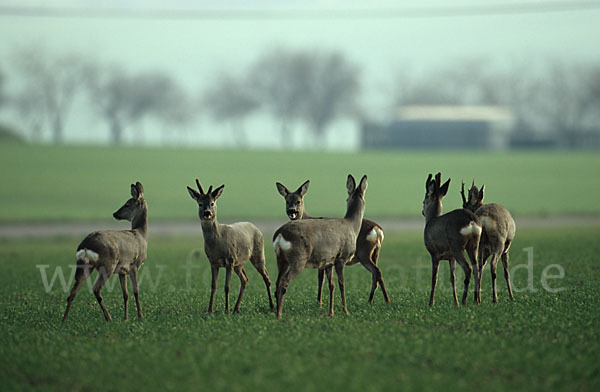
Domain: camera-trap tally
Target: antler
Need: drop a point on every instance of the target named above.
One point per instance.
(200, 187)
(462, 193)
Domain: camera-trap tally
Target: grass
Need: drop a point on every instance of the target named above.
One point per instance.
(42, 183)
(542, 341)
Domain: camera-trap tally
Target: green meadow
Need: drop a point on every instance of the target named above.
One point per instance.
(41, 183)
(547, 339)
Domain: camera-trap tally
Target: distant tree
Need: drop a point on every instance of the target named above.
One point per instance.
(566, 104)
(124, 100)
(172, 107)
(333, 85)
(49, 85)
(230, 99)
(280, 80)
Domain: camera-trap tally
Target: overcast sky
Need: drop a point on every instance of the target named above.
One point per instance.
(420, 35)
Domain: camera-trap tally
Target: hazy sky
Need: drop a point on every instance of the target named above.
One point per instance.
(196, 49)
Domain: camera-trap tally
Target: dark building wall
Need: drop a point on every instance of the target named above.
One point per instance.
(437, 134)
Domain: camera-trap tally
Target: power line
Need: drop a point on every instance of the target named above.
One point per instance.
(305, 14)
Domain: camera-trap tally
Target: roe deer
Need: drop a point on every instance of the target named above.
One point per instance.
(368, 242)
(498, 233)
(448, 236)
(229, 246)
(320, 243)
(115, 251)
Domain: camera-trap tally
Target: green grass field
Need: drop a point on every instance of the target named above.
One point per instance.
(542, 341)
(41, 183)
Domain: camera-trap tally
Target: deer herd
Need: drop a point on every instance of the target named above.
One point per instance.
(480, 230)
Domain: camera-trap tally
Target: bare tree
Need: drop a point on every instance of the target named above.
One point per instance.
(124, 100)
(230, 99)
(50, 85)
(279, 79)
(333, 85)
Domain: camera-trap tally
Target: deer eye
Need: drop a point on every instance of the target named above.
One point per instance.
(212, 203)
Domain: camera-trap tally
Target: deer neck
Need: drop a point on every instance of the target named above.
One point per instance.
(354, 213)
(210, 229)
(140, 223)
(433, 211)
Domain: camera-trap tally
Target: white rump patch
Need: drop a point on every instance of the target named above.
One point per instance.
(471, 228)
(87, 256)
(375, 235)
(487, 221)
(281, 243)
(372, 236)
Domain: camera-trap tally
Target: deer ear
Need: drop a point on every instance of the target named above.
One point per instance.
(140, 188)
(217, 192)
(283, 191)
(135, 193)
(193, 193)
(481, 193)
(350, 184)
(444, 188)
(303, 188)
(363, 184)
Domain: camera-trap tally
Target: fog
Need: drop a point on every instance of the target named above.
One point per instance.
(195, 44)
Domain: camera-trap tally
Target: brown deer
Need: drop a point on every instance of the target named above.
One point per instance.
(498, 233)
(115, 251)
(320, 243)
(368, 242)
(448, 236)
(229, 246)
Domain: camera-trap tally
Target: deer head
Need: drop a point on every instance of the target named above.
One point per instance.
(434, 193)
(294, 201)
(207, 207)
(134, 206)
(475, 197)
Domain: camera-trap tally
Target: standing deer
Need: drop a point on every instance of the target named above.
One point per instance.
(368, 242)
(498, 233)
(448, 236)
(229, 246)
(115, 251)
(320, 243)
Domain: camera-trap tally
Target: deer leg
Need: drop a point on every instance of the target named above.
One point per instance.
(452, 280)
(374, 260)
(283, 282)
(227, 282)
(493, 265)
(213, 287)
(472, 252)
(321, 274)
(243, 283)
(103, 277)
(339, 270)
(329, 271)
(507, 274)
(81, 274)
(123, 280)
(467, 269)
(133, 274)
(434, 271)
(262, 270)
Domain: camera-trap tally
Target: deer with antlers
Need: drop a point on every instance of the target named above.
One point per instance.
(447, 237)
(368, 242)
(498, 233)
(229, 246)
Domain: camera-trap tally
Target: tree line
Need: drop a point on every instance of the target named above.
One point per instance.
(313, 88)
